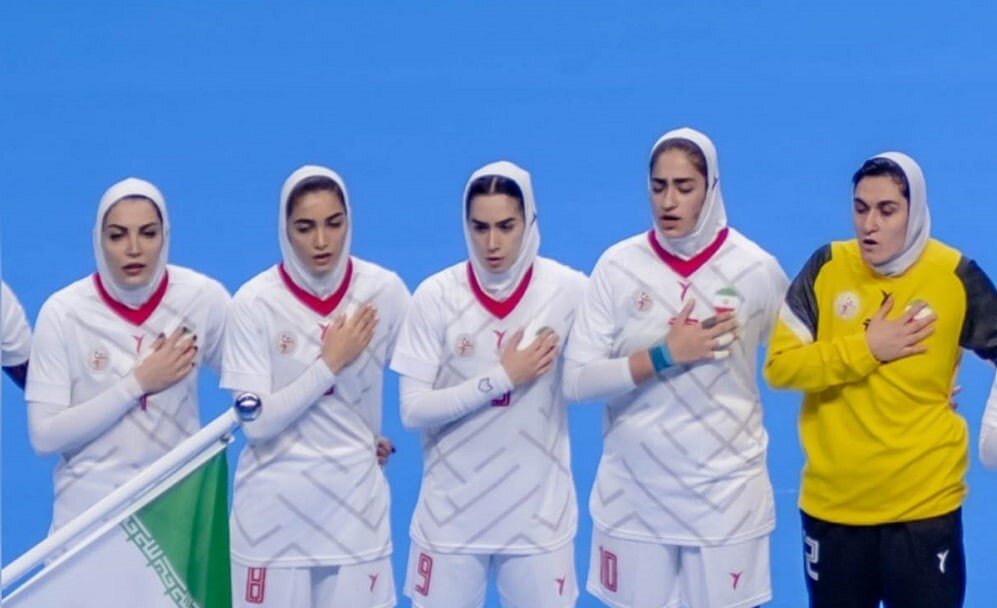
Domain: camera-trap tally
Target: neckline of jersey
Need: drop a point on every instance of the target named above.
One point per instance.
(135, 316)
(499, 308)
(320, 306)
(687, 267)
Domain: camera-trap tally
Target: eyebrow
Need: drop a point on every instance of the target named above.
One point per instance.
(885, 201)
(125, 228)
(499, 222)
(677, 180)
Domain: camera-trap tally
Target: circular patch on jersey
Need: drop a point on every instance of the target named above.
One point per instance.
(99, 359)
(846, 305)
(726, 300)
(464, 346)
(286, 343)
(642, 301)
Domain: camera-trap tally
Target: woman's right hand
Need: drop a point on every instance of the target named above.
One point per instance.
(169, 362)
(690, 342)
(526, 365)
(346, 338)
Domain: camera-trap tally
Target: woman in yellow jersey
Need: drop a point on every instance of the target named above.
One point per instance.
(871, 332)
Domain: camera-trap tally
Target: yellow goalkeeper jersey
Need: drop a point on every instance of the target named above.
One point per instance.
(882, 443)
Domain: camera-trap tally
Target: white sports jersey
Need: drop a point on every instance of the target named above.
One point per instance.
(15, 339)
(684, 455)
(313, 495)
(86, 342)
(497, 480)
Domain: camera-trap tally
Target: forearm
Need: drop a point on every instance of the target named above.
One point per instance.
(422, 406)
(280, 409)
(605, 378)
(57, 428)
(819, 365)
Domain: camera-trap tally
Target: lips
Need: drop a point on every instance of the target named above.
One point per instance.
(133, 269)
(322, 258)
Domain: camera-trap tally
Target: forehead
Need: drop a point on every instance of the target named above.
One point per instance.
(876, 188)
(674, 163)
(493, 207)
(129, 211)
(317, 203)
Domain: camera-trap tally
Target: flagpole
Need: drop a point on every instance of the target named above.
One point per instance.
(217, 430)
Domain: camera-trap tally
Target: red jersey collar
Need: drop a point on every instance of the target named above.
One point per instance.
(135, 316)
(320, 306)
(687, 267)
(499, 308)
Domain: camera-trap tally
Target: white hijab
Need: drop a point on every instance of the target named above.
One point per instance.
(712, 217)
(320, 286)
(918, 218)
(500, 284)
(132, 297)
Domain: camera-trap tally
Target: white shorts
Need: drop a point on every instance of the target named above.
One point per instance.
(459, 580)
(364, 585)
(633, 574)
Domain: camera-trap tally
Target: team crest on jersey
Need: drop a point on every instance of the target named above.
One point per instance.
(642, 301)
(99, 359)
(464, 346)
(726, 300)
(846, 305)
(286, 343)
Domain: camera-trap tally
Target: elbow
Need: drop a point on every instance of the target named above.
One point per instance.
(774, 376)
(258, 431)
(410, 419)
(569, 383)
(42, 440)
(988, 449)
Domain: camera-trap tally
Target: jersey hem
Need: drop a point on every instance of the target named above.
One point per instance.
(849, 521)
(311, 562)
(685, 541)
(492, 549)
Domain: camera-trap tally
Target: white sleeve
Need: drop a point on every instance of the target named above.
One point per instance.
(56, 428)
(988, 431)
(278, 410)
(246, 368)
(778, 285)
(49, 378)
(422, 406)
(589, 372)
(419, 347)
(214, 333)
(15, 339)
(401, 299)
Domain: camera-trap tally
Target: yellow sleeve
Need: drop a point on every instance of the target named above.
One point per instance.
(795, 358)
(818, 365)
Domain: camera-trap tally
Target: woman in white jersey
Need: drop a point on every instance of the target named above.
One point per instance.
(112, 384)
(312, 336)
(15, 337)
(479, 355)
(668, 335)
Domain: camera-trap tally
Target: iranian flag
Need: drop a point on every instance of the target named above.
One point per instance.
(167, 549)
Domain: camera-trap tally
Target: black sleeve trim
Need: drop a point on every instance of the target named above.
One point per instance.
(18, 373)
(800, 298)
(979, 328)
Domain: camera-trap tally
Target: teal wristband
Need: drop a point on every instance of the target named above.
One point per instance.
(661, 359)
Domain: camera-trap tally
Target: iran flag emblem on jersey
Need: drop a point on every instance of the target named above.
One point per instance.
(725, 300)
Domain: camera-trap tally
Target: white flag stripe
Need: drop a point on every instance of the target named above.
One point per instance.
(165, 468)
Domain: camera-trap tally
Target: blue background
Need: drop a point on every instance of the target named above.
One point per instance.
(217, 102)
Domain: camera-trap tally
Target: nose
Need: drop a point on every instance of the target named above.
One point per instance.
(870, 223)
(669, 198)
(321, 240)
(134, 246)
(493, 240)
